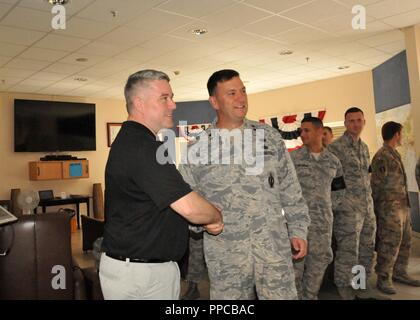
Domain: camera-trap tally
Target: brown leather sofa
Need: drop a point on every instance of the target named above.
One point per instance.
(33, 247)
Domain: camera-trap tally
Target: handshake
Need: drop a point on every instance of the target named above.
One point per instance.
(216, 227)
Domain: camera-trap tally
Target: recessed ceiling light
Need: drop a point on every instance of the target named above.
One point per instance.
(82, 59)
(343, 67)
(285, 52)
(199, 31)
(81, 79)
(60, 2)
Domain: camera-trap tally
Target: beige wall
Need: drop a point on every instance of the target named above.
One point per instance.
(334, 95)
(412, 41)
(14, 166)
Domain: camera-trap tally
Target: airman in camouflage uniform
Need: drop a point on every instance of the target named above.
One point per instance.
(354, 223)
(321, 177)
(253, 254)
(390, 195)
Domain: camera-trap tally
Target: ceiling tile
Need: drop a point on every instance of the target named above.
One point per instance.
(71, 7)
(101, 49)
(19, 36)
(10, 50)
(168, 22)
(28, 19)
(315, 10)
(53, 41)
(107, 68)
(91, 59)
(382, 38)
(64, 68)
(47, 76)
(4, 8)
(271, 26)
(9, 1)
(4, 60)
(43, 54)
(13, 72)
(404, 20)
(126, 37)
(28, 64)
(83, 28)
(393, 47)
(166, 43)
(388, 8)
(301, 34)
(236, 16)
(276, 6)
(139, 54)
(196, 8)
(125, 10)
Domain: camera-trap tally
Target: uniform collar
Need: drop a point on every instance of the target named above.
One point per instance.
(246, 124)
(392, 150)
(308, 153)
(349, 139)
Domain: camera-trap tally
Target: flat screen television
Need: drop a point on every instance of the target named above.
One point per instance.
(51, 126)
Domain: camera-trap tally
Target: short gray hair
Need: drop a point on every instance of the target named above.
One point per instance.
(141, 79)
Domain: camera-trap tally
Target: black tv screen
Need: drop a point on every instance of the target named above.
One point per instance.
(49, 126)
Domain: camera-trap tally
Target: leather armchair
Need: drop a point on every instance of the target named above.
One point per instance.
(37, 257)
(92, 229)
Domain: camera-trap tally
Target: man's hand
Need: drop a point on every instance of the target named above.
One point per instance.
(300, 246)
(214, 228)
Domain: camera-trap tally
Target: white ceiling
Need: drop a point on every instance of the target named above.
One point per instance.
(246, 35)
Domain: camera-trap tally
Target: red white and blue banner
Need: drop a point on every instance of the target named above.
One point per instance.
(288, 126)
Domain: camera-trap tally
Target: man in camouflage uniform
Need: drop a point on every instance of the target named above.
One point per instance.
(390, 195)
(354, 223)
(321, 177)
(253, 255)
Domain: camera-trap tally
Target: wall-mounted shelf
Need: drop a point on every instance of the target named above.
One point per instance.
(57, 170)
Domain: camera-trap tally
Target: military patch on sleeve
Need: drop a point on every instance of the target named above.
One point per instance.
(338, 184)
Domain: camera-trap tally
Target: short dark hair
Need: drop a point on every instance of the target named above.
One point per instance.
(317, 122)
(353, 110)
(389, 129)
(220, 76)
(328, 128)
(141, 79)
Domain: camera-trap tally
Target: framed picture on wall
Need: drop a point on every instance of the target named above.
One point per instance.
(112, 129)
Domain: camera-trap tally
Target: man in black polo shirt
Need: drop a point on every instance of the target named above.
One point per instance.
(147, 204)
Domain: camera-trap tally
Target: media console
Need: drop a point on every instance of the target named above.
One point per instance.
(58, 170)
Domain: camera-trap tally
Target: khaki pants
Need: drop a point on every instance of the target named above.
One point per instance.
(122, 280)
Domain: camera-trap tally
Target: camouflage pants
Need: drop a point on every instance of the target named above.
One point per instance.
(310, 270)
(197, 269)
(355, 234)
(239, 277)
(394, 239)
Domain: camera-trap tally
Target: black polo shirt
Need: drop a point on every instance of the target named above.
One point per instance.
(138, 192)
